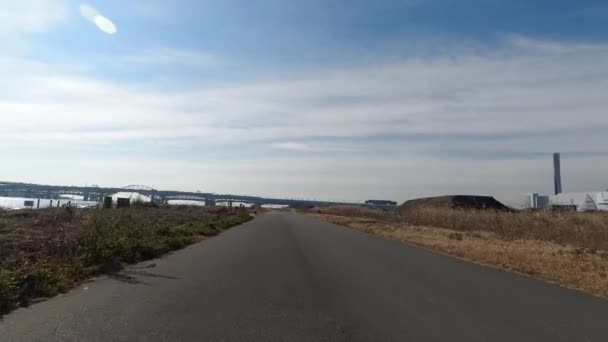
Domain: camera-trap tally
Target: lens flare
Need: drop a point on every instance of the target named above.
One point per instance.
(105, 24)
(102, 22)
(88, 12)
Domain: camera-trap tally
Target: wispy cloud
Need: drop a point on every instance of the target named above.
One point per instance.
(311, 147)
(31, 15)
(466, 94)
(553, 46)
(534, 97)
(171, 56)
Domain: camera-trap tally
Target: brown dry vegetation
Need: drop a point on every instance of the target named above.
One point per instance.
(585, 230)
(44, 252)
(568, 248)
(353, 211)
(33, 235)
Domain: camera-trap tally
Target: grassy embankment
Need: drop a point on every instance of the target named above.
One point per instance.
(46, 252)
(568, 248)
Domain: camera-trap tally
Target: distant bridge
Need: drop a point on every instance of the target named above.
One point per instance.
(95, 193)
(139, 188)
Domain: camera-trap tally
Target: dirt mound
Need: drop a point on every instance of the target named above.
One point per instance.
(458, 201)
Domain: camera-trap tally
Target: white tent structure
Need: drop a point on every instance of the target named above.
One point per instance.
(584, 201)
(133, 196)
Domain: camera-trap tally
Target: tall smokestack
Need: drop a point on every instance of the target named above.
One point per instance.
(557, 174)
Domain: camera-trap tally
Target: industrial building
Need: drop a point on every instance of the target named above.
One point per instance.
(581, 201)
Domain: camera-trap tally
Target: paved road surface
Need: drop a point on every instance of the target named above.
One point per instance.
(284, 277)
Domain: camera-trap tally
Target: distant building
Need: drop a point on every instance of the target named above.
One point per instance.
(582, 201)
(536, 201)
(381, 203)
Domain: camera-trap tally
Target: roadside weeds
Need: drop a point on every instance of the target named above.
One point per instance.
(102, 242)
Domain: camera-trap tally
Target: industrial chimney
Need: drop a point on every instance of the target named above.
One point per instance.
(557, 174)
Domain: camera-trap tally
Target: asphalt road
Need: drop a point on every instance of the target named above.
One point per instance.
(284, 277)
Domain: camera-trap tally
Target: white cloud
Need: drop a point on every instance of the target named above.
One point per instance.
(30, 15)
(172, 56)
(466, 95)
(310, 147)
(552, 46)
(528, 93)
(294, 146)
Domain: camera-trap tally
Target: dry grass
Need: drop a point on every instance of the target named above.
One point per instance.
(583, 230)
(351, 211)
(563, 247)
(28, 236)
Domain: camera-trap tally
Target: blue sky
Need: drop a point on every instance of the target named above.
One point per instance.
(310, 99)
